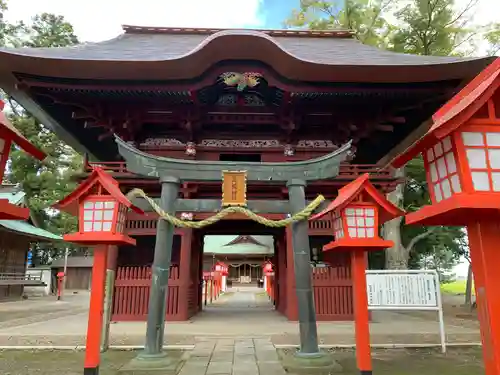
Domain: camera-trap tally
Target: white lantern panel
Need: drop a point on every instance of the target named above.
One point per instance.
(437, 192)
(370, 212)
(99, 205)
(361, 232)
(108, 215)
(446, 187)
(349, 212)
(88, 215)
(353, 233)
(455, 184)
(434, 174)
(360, 221)
(359, 212)
(106, 226)
(447, 144)
(370, 232)
(450, 162)
(98, 214)
(88, 205)
(493, 139)
(430, 155)
(476, 158)
(495, 178)
(441, 165)
(87, 226)
(351, 221)
(473, 139)
(370, 222)
(480, 181)
(438, 150)
(109, 205)
(494, 158)
(97, 226)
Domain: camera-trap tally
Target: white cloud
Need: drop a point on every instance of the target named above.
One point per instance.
(96, 20)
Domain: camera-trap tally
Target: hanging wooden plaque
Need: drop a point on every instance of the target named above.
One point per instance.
(234, 188)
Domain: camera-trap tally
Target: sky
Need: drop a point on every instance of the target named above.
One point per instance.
(96, 20)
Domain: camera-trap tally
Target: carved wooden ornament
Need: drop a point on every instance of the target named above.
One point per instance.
(234, 188)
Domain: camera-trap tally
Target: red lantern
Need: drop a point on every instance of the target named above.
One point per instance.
(101, 208)
(268, 269)
(9, 135)
(357, 212)
(462, 160)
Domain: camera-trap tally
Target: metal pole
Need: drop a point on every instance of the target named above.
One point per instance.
(302, 266)
(161, 270)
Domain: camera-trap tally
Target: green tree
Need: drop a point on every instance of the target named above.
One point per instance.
(47, 181)
(492, 36)
(425, 27)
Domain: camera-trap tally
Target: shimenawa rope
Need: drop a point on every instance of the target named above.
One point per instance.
(302, 215)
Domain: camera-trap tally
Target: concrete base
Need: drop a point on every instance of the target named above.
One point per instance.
(311, 364)
(165, 364)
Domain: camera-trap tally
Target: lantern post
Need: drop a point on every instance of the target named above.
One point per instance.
(461, 153)
(101, 209)
(357, 212)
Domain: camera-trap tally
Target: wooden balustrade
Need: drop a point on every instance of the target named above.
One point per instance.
(347, 171)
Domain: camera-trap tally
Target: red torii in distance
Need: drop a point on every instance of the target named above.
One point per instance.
(357, 212)
(461, 153)
(101, 208)
(9, 135)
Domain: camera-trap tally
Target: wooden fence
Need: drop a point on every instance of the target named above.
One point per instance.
(131, 297)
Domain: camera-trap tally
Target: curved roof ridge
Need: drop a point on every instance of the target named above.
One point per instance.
(333, 33)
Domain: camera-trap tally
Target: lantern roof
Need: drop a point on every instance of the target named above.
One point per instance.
(352, 190)
(98, 176)
(17, 137)
(456, 111)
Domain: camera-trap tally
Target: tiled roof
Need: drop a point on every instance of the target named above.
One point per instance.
(156, 46)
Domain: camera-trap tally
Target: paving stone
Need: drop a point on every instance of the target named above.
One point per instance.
(244, 358)
(222, 357)
(193, 370)
(219, 368)
(268, 355)
(271, 368)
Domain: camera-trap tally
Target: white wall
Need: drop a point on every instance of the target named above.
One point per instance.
(39, 290)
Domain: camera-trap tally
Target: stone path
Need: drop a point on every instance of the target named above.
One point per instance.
(233, 357)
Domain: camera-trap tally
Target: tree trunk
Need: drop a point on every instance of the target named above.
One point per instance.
(468, 287)
(396, 257)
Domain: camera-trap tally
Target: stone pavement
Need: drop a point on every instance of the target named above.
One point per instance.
(241, 314)
(233, 357)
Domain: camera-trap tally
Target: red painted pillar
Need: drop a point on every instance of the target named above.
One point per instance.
(94, 327)
(292, 310)
(485, 257)
(361, 315)
(185, 273)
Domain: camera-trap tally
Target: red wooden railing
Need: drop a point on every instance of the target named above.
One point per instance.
(131, 297)
(346, 170)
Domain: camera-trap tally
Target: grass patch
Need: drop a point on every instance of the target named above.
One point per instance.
(458, 361)
(455, 287)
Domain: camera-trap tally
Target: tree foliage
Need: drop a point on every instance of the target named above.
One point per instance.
(47, 181)
(424, 27)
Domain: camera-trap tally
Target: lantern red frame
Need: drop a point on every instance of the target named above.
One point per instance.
(99, 181)
(475, 111)
(360, 193)
(9, 135)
